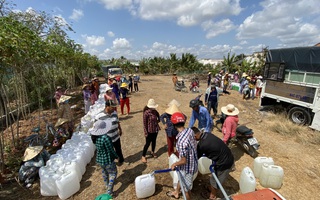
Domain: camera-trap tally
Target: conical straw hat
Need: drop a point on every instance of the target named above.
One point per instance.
(173, 101)
(172, 109)
(31, 152)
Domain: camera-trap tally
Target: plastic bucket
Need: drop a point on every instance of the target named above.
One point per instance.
(145, 185)
(271, 176)
(247, 181)
(258, 162)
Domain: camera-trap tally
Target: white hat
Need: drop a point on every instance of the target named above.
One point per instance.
(172, 109)
(152, 104)
(230, 110)
(173, 101)
(108, 88)
(31, 152)
(101, 127)
(260, 77)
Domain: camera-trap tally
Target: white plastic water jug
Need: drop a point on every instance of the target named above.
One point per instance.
(67, 185)
(247, 181)
(271, 176)
(48, 182)
(257, 165)
(145, 185)
(172, 159)
(204, 165)
(72, 166)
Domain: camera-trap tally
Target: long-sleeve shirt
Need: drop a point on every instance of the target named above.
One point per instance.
(165, 118)
(203, 117)
(86, 95)
(38, 161)
(105, 150)
(229, 127)
(187, 147)
(151, 121)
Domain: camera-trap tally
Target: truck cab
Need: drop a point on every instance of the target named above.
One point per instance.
(112, 70)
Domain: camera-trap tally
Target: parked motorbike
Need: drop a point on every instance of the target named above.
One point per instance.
(244, 137)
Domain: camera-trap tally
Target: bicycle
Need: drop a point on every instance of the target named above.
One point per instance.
(37, 139)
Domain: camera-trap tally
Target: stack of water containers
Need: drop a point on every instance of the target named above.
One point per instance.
(63, 172)
(264, 169)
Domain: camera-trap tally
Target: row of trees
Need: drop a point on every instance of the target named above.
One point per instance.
(36, 55)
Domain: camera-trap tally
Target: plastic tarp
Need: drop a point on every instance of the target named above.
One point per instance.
(305, 59)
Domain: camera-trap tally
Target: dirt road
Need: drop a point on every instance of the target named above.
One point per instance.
(300, 162)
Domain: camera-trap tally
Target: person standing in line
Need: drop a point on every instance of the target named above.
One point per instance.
(215, 149)
(226, 82)
(174, 79)
(124, 99)
(212, 99)
(135, 82)
(66, 112)
(105, 153)
(209, 79)
(109, 115)
(151, 119)
(230, 123)
(130, 83)
(86, 97)
(188, 159)
(201, 114)
(109, 95)
(259, 85)
(171, 132)
(116, 90)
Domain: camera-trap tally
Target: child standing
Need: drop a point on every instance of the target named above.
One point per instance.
(105, 153)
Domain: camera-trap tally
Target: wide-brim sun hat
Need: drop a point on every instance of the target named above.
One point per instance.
(230, 110)
(244, 74)
(260, 77)
(152, 104)
(64, 98)
(124, 85)
(58, 88)
(31, 152)
(108, 88)
(209, 72)
(173, 101)
(85, 85)
(172, 109)
(101, 127)
(60, 122)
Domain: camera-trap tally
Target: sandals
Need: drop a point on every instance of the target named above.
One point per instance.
(169, 194)
(154, 155)
(206, 195)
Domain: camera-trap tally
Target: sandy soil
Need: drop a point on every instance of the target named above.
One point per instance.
(300, 162)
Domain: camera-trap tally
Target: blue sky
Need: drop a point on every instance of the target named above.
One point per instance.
(208, 29)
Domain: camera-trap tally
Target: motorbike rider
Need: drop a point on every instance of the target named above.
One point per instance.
(230, 123)
(215, 149)
(201, 114)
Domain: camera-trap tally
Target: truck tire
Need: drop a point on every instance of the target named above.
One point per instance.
(299, 116)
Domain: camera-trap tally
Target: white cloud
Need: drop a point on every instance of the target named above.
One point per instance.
(94, 40)
(110, 34)
(243, 42)
(283, 20)
(116, 4)
(121, 43)
(216, 28)
(76, 14)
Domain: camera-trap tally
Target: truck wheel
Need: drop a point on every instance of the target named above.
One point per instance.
(299, 116)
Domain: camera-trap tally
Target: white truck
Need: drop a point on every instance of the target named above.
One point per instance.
(292, 80)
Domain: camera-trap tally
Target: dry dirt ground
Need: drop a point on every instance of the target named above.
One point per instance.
(299, 161)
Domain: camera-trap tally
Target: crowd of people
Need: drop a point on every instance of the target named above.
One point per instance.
(188, 142)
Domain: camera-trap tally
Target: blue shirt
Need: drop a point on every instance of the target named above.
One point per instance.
(203, 117)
